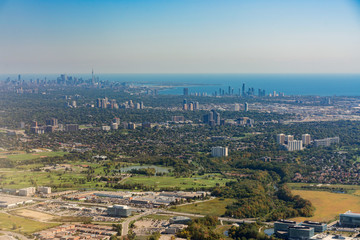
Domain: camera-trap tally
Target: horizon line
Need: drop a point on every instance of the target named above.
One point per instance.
(190, 73)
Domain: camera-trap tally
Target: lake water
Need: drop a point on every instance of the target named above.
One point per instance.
(290, 84)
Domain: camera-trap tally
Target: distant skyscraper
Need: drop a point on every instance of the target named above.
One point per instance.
(191, 106)
(236, 107)
(280, 138)
(215, 117)
(219, 151)
(92, 77)
(243, 89)
(246, 107)
(306, 139)
(289, 138)
(196, 106)
(98, 102)
(186, 91)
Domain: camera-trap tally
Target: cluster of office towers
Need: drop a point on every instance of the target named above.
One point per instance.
(241, 92)
(191, 106)
(291, 144)
(112, 104)
(212, 118)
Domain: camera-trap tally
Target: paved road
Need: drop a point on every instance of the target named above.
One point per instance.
(125, 225)
(235, 220)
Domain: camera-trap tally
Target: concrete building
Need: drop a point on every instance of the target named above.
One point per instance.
(350, 219)
(72, 127)
(178, 118)
(37, 130)
(114, 126)
(326, 142)
(219, 151)
(300, 233)
(119, 211)
(246, 107)
(27, 191)
(52, 122)
(245, 121)
(73, 104)
(236, 107)
(179, 220)
(196, 106)
(191, 106)
(306, 139)
(318, 227)
(280, 138)
(283, 225)
(105, 128)
(44, 190)
(116, 120)
(289, 138)
(294, 145)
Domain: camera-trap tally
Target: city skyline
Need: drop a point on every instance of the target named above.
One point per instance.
(179, 36)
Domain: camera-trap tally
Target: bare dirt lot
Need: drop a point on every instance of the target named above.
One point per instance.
(39, 216)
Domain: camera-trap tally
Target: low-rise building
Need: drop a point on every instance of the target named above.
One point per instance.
(119, 211)
(350, 219)
(301, 233)
(44, 190)
(179, 220)
(27, 191)
(326, 142)
(283, 225)
(318, 227)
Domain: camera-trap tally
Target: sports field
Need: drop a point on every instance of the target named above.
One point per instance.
(329, 205)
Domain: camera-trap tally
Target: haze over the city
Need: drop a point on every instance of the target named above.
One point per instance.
(205, 36)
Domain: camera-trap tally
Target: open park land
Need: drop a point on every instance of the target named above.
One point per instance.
(329, 205)
(215, 207)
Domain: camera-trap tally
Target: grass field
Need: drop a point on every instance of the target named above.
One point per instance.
(21, 179)
(22, 156)
(215, 207)
(329, 205)
(183, 183)
(23, 225)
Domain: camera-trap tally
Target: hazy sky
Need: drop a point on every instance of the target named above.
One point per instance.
(180, 36)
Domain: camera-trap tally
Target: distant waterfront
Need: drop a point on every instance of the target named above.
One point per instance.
(290, 84)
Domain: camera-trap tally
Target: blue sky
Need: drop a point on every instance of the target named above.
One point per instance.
(180, 36)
